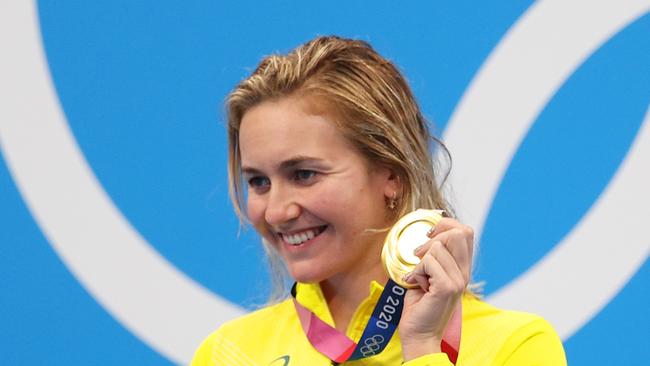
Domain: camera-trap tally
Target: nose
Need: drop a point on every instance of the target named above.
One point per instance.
(281, 207)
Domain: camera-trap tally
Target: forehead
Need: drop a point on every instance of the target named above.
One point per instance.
(280, 129)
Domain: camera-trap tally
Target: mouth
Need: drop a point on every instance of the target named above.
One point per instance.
(300, 237)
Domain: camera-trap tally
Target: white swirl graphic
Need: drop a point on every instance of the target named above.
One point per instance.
(134, 283)
(172, 313)
(514, 85)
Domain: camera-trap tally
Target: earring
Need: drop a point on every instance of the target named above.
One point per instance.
(392, 203)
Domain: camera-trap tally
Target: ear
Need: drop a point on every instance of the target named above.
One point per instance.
(393, 185)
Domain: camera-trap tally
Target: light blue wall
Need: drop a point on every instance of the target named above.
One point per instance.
(142, 84)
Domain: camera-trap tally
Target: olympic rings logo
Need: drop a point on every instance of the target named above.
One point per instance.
(372, 345)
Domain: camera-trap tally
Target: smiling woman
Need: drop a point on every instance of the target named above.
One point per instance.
(312, 194)
(332, 149)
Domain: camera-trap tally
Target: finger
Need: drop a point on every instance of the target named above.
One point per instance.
(448, 263)
(449, 224)
(454, 235)
(430, 271)
(459, 242)
(422, 249)
(426, 273)
(419, 279)
(443, 225)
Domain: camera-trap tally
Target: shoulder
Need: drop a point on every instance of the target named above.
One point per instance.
(479, 313)
(236, 339)
(500, 335)
(269, 316)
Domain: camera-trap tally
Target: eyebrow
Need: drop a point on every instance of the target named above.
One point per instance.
(285, 165)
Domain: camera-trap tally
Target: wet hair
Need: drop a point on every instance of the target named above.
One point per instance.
(370, 102)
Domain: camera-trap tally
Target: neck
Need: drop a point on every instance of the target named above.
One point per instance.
(345, 291)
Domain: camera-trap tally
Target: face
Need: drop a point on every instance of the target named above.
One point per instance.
(311, 194)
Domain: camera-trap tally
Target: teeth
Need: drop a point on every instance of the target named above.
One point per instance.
(299, 238)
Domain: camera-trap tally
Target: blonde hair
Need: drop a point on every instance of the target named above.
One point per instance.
(372, 105)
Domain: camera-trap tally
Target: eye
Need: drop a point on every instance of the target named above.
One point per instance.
(304, 175)
(259, 183)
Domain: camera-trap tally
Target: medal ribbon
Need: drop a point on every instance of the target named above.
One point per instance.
(380, 328)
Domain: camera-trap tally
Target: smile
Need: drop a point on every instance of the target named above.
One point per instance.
(302, 236)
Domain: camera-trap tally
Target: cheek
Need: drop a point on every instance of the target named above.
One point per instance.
(327, 200)
(255, 211)
(337, 206)
(342, 197)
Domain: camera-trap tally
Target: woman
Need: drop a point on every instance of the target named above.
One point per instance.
(334, 150)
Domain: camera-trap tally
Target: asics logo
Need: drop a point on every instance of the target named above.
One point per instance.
(280, 361)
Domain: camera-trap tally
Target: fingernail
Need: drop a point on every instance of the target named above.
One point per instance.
(407, 277)
(431, 231)
(418, 249)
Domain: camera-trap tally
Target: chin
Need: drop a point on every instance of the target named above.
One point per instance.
(307, 273)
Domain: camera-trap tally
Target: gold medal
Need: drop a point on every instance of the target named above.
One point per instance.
(404, 237)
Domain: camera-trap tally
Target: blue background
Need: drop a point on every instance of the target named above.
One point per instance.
(142, 85)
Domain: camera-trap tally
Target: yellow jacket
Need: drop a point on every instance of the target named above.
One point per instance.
(273, 336)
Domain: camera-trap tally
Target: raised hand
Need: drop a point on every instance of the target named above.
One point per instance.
(441, 276)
